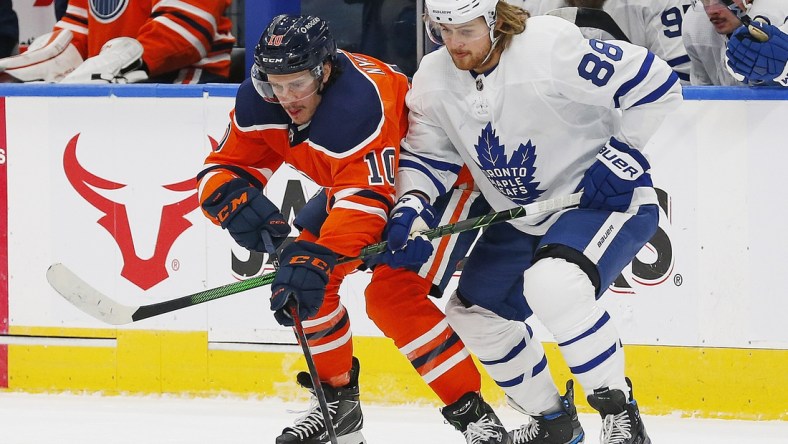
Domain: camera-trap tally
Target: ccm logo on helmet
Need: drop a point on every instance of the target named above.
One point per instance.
(273, 60)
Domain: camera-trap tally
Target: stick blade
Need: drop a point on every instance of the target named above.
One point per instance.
(80, 294)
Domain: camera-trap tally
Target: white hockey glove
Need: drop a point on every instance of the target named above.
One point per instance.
(119, 61)
(48, 59)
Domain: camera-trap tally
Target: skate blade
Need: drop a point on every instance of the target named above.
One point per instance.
(352, 438)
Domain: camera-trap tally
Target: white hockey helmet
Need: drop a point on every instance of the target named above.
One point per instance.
(461, 11)
(457, 12)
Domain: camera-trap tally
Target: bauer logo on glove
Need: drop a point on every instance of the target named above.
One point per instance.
(619, 162)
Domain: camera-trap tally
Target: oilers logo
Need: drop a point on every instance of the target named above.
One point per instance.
(106, 11)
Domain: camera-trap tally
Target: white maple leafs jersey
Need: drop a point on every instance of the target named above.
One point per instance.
(529, 129)
(706, 48)
(654, 24)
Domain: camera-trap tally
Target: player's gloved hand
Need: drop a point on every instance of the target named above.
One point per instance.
(119, 61)
(759, 61)
(416, 252)
(610, 182)
(303, 276)
(245, 212)
(48, 59)
(411, 215)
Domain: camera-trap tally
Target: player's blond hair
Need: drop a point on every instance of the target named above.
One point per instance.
(509, 21)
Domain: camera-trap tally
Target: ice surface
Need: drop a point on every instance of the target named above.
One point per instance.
(95, 419)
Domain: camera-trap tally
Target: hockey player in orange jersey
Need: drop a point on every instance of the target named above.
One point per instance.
(127, 41)
(338, 118)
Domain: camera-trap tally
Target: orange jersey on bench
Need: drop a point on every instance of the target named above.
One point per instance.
(175, 35)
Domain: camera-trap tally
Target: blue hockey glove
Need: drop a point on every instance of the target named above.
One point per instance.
(610, 182)
(302, 275)
(416, 252)
(245, 212)
(411, 214)
(759, 61)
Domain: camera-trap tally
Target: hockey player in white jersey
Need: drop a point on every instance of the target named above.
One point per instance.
(654, 24)
(536, 111)
(707, 28)
(756, 61)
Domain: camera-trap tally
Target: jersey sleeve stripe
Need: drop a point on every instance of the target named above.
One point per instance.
(183, 32)
(659, 92)
(238, 171)
(72, 27)
(678, 61)
(207, 33)
(75, 11)
(635, 81)
(363, 193)
(189, 9)
(214, 59)
(683, 76)
(437, 164)
(348, 205)
(77, 19)
(405, 163)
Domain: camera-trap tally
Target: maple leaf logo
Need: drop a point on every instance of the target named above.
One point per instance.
(513, 177)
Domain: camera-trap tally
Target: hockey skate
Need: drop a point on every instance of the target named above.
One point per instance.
(476, 420)
(621, 422)
(555, 428)
(344, 408)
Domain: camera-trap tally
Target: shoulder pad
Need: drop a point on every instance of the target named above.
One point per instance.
(251, 110)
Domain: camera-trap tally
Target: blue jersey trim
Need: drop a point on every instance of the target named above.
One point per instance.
(659, 92)
(437, 164)
(405, 163)
(679, 61)
(229, 90)
(635, 81)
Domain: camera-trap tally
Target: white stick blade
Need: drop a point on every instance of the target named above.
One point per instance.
(87, 298)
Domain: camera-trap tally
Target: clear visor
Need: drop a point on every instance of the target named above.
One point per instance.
(287, 91)
(701, 5)
(442, 33)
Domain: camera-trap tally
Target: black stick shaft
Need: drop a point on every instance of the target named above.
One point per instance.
(317, 386)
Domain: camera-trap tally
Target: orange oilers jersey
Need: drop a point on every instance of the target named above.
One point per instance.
(188, 35)
(350, 147)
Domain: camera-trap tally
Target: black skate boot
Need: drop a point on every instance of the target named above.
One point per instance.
(476, 420)
(621, 423)
(555, 428)
(345, 410)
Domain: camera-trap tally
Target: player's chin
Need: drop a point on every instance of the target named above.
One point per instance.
(464, 62)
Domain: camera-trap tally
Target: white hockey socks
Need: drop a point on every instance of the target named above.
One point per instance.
(562, 298)
(510, 355)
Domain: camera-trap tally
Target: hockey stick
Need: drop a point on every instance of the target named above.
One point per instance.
(105, 309)
(317, 386)
(755, 32)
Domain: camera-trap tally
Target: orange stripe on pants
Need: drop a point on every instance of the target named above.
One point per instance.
(397, 303)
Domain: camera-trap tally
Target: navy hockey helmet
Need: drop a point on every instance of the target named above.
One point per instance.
(293, 43)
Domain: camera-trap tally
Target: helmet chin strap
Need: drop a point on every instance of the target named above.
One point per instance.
(490, 52)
